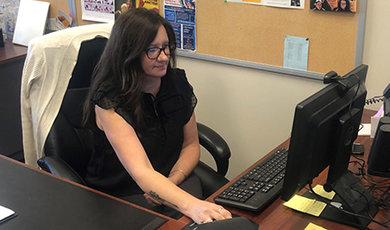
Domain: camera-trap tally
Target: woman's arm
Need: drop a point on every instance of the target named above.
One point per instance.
(189, 155)
(188, 159)
(132, 155)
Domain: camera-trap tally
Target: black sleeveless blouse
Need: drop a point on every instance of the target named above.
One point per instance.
(162, 139)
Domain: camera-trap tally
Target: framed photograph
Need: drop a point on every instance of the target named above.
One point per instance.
(333, 5)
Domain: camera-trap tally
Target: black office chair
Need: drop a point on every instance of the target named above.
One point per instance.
(68, 145)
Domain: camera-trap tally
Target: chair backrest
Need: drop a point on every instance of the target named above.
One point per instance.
(67, 138)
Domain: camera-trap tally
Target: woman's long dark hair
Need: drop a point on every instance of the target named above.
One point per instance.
(120, 62)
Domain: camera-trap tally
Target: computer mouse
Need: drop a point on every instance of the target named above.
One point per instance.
(234, 223)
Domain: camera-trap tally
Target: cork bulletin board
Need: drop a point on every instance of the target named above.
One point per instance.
(62, 5)
(255, 34)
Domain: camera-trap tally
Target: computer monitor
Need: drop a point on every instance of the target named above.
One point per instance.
(324, 129)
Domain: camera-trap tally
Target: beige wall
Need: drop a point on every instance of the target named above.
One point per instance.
(253, 109)
(376, 52)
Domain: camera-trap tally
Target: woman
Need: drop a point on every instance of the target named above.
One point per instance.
(140, 109)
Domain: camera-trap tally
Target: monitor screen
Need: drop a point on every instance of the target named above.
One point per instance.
(324, 128)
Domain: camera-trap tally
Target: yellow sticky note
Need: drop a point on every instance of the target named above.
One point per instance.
(319, 189)
(312, 226)
(306, 205)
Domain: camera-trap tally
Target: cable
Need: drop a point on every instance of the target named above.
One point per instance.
(323, 199)
(380, 190)
(362, 163)
(374, 100)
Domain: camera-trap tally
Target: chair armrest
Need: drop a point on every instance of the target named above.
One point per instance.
(216, 146)
(210, 180)
(59, 167)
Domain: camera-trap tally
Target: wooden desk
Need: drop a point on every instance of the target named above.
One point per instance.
(11, 65)
(43, 201)
(277, 216)
(11, 52)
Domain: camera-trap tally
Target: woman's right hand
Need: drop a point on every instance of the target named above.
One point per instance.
(204, 212)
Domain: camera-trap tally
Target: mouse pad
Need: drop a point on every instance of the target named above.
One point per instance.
(227, 224)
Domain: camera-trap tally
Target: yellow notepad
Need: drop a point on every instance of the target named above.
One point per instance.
(312, 226)
(310, 206)
(306, 205)
(319, 189)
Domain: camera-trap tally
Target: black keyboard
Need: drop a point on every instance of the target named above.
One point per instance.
(259, 187)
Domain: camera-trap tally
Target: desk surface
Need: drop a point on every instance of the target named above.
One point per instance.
(41, 198)
(11, 52)
(43, 201)
(277, 216)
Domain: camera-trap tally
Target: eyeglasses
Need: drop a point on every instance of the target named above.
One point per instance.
(154, 52)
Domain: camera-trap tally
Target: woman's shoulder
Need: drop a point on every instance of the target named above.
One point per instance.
(183, 86)
(106, 95)
(177, 73)
(178, 76)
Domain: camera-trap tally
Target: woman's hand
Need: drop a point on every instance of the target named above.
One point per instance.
(204, 212)
(201, 211)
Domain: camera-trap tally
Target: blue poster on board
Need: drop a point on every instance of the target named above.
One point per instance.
(181, 14)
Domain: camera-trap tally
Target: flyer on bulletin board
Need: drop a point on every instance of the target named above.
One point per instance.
(255, 2)
(334, 5)
(181, 14)
(124, 5)
(148, 4)
(294, 4)
(296, 51)
(98, 11)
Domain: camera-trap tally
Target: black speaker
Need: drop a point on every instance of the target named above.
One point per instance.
(379, 158)
(1, 38)
(385, 120)
(386, 101)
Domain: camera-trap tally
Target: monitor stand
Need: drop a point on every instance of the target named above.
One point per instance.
(353, 197)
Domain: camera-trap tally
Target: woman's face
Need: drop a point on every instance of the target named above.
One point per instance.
(318, 5)
(343, 4)
(155, 65)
